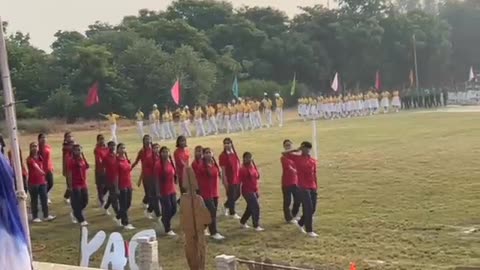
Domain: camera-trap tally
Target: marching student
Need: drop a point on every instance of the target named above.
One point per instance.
(249, 178)
(100, 153)
(77, 180)
(37, 184)
(385, 103)
(139, 116)
(124, 184)
(166, 175)
(198, 118)
(181, 155)
(307, 183)
(230, 165)
(197, 160)
(145, 155)
(279, 109)
(152, 119)
(289, 186)
(208, 188)
(66, 155)
(111, 175)
(396, 104)
(45, 152)
(112, 119)
(153, 207)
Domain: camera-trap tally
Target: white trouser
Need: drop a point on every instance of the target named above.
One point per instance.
(268, 117)
(213, 128)
(166, 131)
(153, 130)
(185, 128)
(240, 120)
(279, 112)
(219, 121)
(259, 119)
(140, 128)
(113, 130)
(200, 129)
(172, 129)
(228, 125)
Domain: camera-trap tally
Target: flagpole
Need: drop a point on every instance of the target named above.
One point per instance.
(415, 60)
(12, 128)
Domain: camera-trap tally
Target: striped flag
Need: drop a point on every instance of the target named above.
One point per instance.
(14, 253)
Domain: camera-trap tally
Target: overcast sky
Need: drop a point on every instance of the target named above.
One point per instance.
(42, 18)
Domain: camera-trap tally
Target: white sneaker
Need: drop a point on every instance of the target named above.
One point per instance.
(73, 218)
(129, 227)
(117, 221)
(218, 236)
(293, 221)
(259, 229)
(83, 224)
(312, 234)
(171, 233)
(145, 206)
(49, 201)
(302, 230)
(206, 232)
(227, 213)
(235, 216)
(147, 214)
(245, 226)
(50, 218)
(297, 218)
(67, 201)
(37, 220)
(107, 212)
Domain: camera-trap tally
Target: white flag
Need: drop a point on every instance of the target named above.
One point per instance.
(335, 82)
(471, 76)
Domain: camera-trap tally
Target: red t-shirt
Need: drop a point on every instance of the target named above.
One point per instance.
(77, 167)
(46, 152)
(196, 166)
(66, 155)
(36, 175)
(146, 157)
(249, 176)
(208, 181)
(100, 152)
(306, 171)
(232, 165)
(166, 178)
(181, 157)
(111, 167)
(124, 173)
(289, 175)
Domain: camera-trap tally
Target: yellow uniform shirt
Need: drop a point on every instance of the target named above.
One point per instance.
(183, 115)
(279, 102)
(156, 114)
(112, 118)
(165, 116)
(139, 115)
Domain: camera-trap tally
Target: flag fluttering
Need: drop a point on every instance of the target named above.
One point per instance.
(175, 91)
(336, 83)
(471, 75)
(92, 97)
(235, 87)
(411, 78)
(378, 81)
(14, 253)
(294, 84)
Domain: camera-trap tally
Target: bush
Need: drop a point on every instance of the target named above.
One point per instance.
(35, 126)
(59, 103)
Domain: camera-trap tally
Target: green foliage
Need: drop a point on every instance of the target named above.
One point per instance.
(207, 43)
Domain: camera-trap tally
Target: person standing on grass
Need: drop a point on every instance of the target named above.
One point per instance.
(77, 180)
(165, 171)
(145, 156)
(112, 120)
(154, 207)
(307, 183)
(124, 182)
(289, 186)
(100, 153)
(230, 165)
(208, 179)
(197, 160)
(111, 173)
(68, 143)
(279, 109)
(181, 155)
(249, 178)
(139, 116)
(37, 184)
(45, 152)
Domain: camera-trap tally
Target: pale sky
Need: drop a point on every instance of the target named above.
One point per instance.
(42, 18)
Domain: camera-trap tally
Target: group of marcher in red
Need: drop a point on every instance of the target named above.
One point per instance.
(161, 173)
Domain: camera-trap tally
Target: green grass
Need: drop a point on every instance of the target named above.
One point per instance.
(397, 188)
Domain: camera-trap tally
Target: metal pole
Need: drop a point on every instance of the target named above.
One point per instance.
(415, 60)
(12, 128)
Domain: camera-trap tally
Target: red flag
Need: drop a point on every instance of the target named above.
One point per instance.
(92, 97)
(176, 92)
(378, 81)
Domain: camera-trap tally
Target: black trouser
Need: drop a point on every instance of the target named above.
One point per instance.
(100, 182)
(252, 210)
(169, 209)
(153, 197)
(125, 201)
(79, 201)
(233, 194)
(68, 191)
(112, 198)
(290, 192)
(309, 205)
(212, 205)
(38, 191)
(49, 178)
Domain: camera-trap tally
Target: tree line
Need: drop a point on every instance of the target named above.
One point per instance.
(207, 43)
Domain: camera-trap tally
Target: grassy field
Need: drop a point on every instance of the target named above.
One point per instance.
(399, 188)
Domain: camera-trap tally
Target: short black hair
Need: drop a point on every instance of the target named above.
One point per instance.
(306, 144)
(111, 143)
(246, 154)
(287, 141)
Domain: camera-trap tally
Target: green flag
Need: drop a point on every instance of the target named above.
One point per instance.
(235, 87)
(294, 84)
